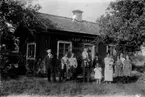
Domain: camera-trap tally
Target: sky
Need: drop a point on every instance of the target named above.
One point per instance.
(92, 9)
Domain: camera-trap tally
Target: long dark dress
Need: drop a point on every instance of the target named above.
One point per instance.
(127, 68)
(118, 68)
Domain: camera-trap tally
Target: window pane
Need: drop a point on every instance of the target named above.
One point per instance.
(60, 55)
(60, 51)
(31, 51)
(61, 45)
(67, 46)
(66, 50)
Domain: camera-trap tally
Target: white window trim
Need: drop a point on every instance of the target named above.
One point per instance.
(65, 42)
(28, 58)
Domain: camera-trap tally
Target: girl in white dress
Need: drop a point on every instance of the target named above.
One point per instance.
(98, 73)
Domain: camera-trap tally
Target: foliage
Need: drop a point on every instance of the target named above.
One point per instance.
(124, 24)
(138, 62)
(14, 13)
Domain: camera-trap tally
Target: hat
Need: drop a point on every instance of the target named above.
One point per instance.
(48, 51)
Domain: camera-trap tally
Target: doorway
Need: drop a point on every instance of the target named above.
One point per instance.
(91, 48)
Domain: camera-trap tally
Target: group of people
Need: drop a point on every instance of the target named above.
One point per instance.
(68, 67)
(106, 69)
(118, 66)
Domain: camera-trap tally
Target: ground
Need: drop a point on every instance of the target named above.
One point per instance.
(39, 87)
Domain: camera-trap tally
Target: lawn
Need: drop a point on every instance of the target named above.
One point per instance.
(39, 87)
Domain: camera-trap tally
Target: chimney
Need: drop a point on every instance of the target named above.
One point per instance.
(77, 15)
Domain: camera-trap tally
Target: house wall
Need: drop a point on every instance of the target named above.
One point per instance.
(102, 50)
(45, 41)
(25, 36)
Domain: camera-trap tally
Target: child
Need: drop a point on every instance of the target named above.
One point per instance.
(98, 73)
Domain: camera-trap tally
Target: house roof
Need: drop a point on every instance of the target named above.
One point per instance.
(66, 24)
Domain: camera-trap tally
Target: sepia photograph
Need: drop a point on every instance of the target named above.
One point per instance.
(72, 48)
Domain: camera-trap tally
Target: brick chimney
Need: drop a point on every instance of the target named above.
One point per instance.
(77, 15)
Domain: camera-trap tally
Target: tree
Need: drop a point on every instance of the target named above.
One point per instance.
(15, 12)
(124, 24)
(12, 14)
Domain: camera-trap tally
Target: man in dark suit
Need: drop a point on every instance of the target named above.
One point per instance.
(50, 65)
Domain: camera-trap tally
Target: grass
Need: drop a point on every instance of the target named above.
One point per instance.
(39, 87)
(77, 96)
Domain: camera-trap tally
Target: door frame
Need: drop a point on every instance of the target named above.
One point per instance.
(92, 49)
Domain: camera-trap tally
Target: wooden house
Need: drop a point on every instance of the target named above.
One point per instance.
(66, 33)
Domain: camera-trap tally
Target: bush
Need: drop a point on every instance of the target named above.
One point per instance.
(138, 61)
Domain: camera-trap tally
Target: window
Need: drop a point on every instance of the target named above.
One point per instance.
(62, 48)
(31, 51)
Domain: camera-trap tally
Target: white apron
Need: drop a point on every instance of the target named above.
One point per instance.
(108, 72)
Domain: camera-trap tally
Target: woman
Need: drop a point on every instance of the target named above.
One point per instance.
(108, 73)
(64, 67)
(118, 67)
(122, 58)
(127, 67)
(73, 66)
(122, 63)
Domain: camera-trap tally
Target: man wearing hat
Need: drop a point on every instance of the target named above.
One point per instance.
(50, 65)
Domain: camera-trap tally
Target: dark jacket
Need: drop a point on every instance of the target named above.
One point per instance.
(48, 62)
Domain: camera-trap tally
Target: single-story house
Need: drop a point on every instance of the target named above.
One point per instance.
(75, 33)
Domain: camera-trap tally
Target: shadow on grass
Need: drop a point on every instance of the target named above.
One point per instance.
(40, 86)
(125, 79)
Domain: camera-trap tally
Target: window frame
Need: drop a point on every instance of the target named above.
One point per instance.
(31, 58)
(63, 42)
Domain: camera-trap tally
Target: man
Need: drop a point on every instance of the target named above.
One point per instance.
(86, 65)
(50, 65)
